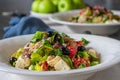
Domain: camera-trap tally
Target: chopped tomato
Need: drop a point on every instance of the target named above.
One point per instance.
(78, 61)
(73, 51)
(79, 43)
(44, 66)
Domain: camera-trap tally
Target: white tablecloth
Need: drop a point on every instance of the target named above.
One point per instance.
(112, 73)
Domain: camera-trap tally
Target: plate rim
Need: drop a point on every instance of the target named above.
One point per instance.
(55, 17)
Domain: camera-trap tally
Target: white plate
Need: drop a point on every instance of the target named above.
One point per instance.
(40, 15)
(44, 17)
(100, 29)
(109, 57)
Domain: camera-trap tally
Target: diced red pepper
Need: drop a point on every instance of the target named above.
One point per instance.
(79, 43)
(73, 51)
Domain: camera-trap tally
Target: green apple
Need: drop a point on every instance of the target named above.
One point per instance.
(35, 5)
(46, 6)
(65, 5)
(55, 2)
(79, 4)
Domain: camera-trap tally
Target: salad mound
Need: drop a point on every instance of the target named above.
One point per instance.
(97, 14)
(52, 51)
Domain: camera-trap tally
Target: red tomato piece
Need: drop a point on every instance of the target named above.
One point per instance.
(78, 61)
(79, 43)
(44, 66)
(73, 51)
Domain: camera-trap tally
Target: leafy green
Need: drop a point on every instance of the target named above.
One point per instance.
(18, 53)
(85, 42)
(81, 54)
(35, 58)
(57, 52)
(61, 39)
(88, 12)
(38, 67)
(37, 36)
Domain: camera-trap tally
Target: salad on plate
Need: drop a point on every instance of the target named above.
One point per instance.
(53, 51)
(97, 14)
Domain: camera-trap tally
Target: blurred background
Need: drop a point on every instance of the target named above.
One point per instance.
(24, 6)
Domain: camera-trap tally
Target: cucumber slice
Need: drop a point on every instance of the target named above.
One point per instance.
(67, 60)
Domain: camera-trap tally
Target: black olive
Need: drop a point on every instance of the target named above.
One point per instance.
(12, 60)
(81, 48)
(50, 33)
(65, 51)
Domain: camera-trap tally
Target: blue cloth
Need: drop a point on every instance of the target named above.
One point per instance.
(26, 25)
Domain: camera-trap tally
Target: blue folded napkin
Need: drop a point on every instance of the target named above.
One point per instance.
(25, 25)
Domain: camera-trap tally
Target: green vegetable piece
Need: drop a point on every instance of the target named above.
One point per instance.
(57, 52)
(67, 60)
(94, 63)
(61, 39)
(14, 63)
(37, 36)
(18, 53)
(93, 56)
(48, 48)
(81, 66)
(39, 51)
(88, 12)
(75, 18)
(97, 19)
(83, 54)
(86, 55)
(89, 20)
(41, 54)
(44, 58)
(116, 17)
(53, 37)
(64, 35)
(31, 67)
(85, 42)
(47, 43)
(38, 67)
(35, 57)
(82, 19)
(105, 18)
